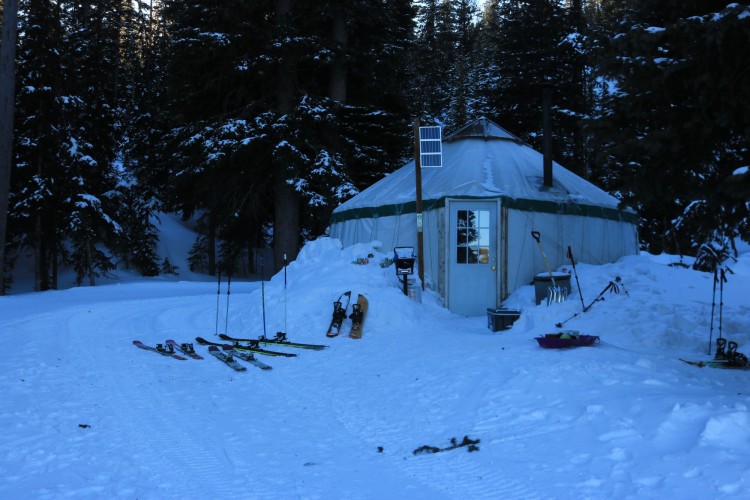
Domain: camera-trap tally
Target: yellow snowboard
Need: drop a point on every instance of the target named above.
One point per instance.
(359, 310)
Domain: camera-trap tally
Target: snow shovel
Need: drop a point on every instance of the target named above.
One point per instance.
(554, 293)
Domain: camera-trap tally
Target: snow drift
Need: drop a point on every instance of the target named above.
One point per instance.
(87, 415)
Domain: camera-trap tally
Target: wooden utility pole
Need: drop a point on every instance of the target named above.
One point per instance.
(420, 225)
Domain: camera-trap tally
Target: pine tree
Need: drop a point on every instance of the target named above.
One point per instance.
(678, 112)
(68, 195)
(216, 83)
(318, 97)
(38, 203)
(533, 44)
(434, 54)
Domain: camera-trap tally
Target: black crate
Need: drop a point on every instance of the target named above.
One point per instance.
(501, 319)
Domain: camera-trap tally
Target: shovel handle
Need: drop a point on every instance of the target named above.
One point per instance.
(538, 237)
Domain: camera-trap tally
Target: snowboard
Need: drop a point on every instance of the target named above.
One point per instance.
(359, 310)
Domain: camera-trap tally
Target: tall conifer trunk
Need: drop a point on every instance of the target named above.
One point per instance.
(211, 245)
(90, 261)
(286, 226)
(7, 107)
(340, 36)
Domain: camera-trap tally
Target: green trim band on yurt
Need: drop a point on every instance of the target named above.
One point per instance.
(524, 205)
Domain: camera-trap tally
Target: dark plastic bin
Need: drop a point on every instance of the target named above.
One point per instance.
(501, 319)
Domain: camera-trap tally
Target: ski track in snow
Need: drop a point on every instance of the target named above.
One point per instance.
(624, 419)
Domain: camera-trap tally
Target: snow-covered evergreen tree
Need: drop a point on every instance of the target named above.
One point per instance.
(673, 127)
(528, 45)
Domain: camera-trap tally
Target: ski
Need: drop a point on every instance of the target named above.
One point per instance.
(165, 351)
(226, 358)
(186, 349)
(359, 309)
(252, 347)
(727, 357)
(716, 363)
(247, 356)
(339, 315)
(280, 339)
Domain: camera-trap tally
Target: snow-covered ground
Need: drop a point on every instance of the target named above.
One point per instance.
(85, 414)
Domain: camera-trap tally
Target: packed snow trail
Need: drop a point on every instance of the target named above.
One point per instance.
(86, 414)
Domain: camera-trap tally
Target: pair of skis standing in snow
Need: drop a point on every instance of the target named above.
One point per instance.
(359, 309)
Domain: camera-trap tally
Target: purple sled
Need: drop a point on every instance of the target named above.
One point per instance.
(554, 341)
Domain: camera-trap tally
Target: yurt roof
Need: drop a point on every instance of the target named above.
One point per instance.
(482, 160)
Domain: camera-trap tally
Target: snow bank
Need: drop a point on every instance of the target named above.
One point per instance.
(87, 415)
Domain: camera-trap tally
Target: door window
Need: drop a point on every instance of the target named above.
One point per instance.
(473, 237)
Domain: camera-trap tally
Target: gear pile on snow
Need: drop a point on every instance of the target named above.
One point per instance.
(470, 444)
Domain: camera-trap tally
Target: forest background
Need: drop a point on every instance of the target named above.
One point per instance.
(254, 119)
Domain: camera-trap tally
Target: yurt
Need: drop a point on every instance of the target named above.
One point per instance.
(479, 210)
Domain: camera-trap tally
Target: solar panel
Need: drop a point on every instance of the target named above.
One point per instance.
(431, 146)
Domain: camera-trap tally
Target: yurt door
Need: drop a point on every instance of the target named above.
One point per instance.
(472, 280)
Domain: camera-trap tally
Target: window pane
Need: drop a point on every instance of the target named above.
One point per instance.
(463, 218)
(483, 218)
(461, 255)
(484, 237)
(484, 255)
(473, 255)
(472, 220)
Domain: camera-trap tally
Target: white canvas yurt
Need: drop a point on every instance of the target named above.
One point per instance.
(479, 210)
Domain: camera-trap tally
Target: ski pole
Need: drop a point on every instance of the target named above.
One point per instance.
(226, 318)
(599, 297)
(285, 330)
(575, 272)
(722, 280)
(218, 297)
(611, 285)
(713, 308)
(263, 294)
